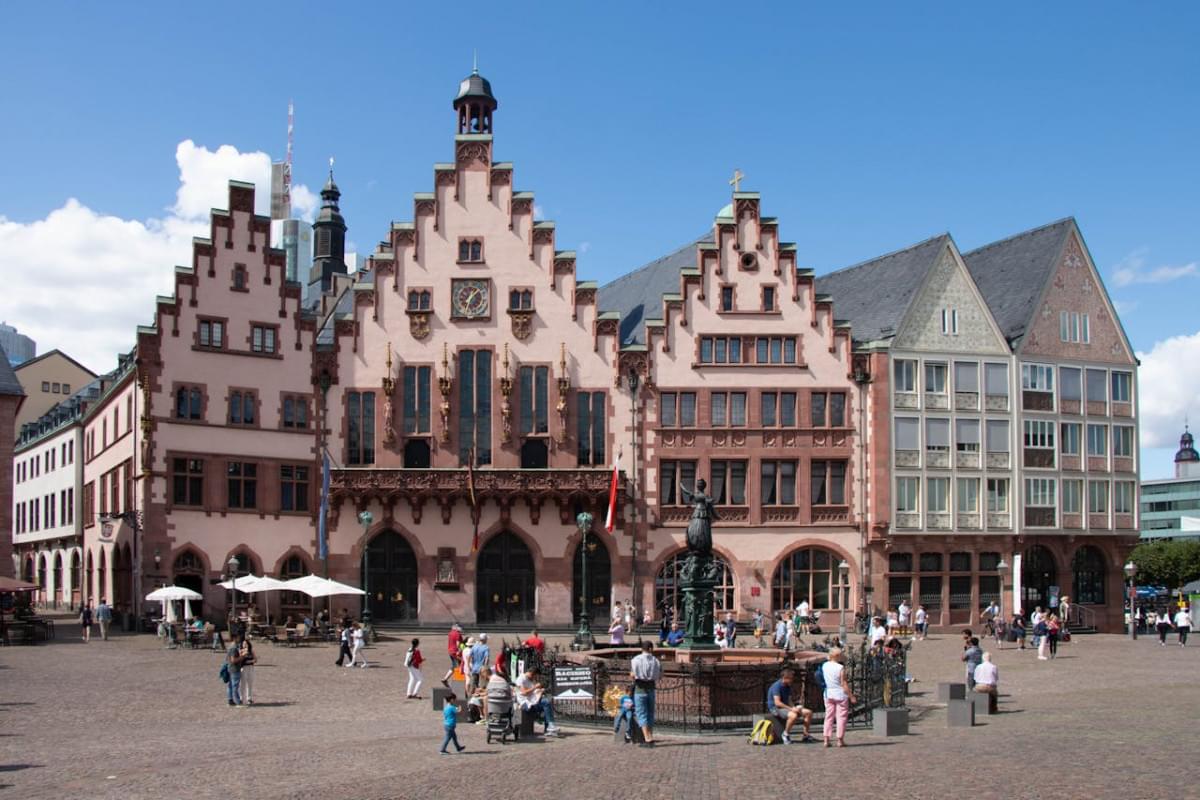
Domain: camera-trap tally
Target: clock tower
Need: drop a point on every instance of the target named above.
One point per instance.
(329, 240)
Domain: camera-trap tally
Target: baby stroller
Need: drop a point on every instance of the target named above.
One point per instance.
(814, 623)
(500, 712)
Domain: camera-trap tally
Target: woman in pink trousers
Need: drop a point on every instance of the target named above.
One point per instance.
(838, 696)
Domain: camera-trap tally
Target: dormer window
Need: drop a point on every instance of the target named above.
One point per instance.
(470, 251)
(950, 322)
(420, 300)
(520, 300)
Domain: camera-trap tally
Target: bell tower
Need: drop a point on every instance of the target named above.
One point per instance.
(329, 239)
(474, 105)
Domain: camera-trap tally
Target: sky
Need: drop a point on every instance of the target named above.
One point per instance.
(866, 127)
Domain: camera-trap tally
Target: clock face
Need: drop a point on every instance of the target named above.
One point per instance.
(472, 299)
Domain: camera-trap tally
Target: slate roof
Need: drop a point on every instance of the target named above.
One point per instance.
(875, 295)
(638, 295)
(8, 379)
(1010, 273)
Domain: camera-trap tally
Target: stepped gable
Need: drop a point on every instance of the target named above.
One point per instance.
(631, 294)
(875, 295)
(1012, 272)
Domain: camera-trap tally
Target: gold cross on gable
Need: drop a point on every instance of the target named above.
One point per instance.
(736, 180)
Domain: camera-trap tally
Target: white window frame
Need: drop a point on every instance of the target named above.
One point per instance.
(1103, 494)
(997, 495)
(936, 366)
(1039, 434)
(1072, 501)
(1126, 431)
(1037, 378)
(933, 496)
(902, 496)
(950, 322)
(1075, 440)
(966, 495)
(1097, 448)
(1123, 491)
(1127, 380)
(962, 443)
(1040, 493)
(905, 368)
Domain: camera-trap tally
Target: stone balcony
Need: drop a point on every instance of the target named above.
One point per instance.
(967, 521)
(908, 520)
(906, 400)
(999, 460)
(908, 458)
(966, 459)
(937, 520)
(937, 459)
(999, 521)
(937, 402)
(996, 402)
(966, 401)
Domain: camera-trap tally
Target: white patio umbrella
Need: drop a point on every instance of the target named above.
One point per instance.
(263, 584)
(314, 586)
(167, 595)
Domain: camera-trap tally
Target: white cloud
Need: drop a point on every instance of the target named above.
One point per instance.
(538, 212)
(1132, 269)
(304, 203)
(1168, 389)
(584, 247)
(80, 281)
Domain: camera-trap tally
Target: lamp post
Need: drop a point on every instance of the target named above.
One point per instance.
(633, 473)
(583, 637)
(1131, 573)
(844, 573)
(233, 568)
(365, 518)
(1001, 568)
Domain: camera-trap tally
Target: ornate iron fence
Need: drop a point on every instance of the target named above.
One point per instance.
(709, 697)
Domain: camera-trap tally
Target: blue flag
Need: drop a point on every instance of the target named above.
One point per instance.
(322, 539)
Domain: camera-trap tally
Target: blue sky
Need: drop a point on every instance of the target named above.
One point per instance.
(866, 128)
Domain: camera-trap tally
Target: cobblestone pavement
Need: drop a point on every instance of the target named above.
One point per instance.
(127, 719)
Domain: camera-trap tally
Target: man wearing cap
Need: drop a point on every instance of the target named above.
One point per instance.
(478, 658)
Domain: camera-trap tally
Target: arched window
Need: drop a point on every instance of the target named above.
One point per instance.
(666, 584)
(809, 574)
(1088, 567)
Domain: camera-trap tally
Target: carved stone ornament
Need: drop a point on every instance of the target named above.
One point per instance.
(418, 325)
(447, 177)
(522, 206)
(424, 207)
(747, 208)
(471, 153)
(505, 419)
(405, 236)
(543, 235)
(389, 426)
(636, 361)
(501, 177)
(522, 324)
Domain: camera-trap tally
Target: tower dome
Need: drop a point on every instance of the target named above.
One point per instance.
(474, 104)
(1187, 460)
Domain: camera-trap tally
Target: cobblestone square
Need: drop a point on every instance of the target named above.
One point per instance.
(128, 719)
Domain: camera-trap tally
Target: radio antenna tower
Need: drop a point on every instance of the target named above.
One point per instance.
(287, 164)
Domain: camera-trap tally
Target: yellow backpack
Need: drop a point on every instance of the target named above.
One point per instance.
(763, 733)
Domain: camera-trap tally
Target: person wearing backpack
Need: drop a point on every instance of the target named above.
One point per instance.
(233, 662)
(779, 705)
(413, 660)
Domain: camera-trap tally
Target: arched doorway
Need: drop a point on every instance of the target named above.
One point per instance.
(76, 568)
(101, 577)
(599, 580)
(1038, 574)
(59, 589)
(43, 576)
(1088, 571)
(122, 578)
(505, 581)
(809, 573)
(666, 585)
(189, 571)
(392, 578)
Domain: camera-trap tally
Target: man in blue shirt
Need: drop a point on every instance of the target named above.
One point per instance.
(779, 705)
(480, 655)
(675, 637)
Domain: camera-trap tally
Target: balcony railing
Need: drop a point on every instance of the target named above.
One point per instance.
(1122, 409)
(998, 520)
(966, 459)
(908, 520)
(1037, 401)
(936, 401)
(996, 402)
(1097, 464)
(967, 520)
(1039, 457)
(1098, 521)
(966, 401)
(1039, 517)
(908, 458)
(937, 458)
(1097, 408)
(937, 520)
(907, 400)
(1069, 406)
(1072, 521)
(999, 460)
(1073, 463)
(1122, 464)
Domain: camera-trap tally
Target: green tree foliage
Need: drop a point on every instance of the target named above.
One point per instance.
(1169, 564)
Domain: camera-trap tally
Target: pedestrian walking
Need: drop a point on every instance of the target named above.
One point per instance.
(922, 622)
(1018, 631)
(904, 615)
(730, 629)
(413, 660)
(450, 724)
(104, 617)
(973, 656)
(344, 647)
(1053, 629)
(838, 697)
(357, 642)
(645, 670)
(453, 648)
(1183, 624)
(233, 662)
(1164, 627)
(85, 621)
(477, 658)
(1040, 635)
(759, 622)
(246, 651)
(781, 631)
(616, 632)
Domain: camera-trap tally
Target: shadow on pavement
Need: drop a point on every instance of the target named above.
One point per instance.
(19, 767)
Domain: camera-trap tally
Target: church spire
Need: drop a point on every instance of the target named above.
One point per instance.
(329, 238)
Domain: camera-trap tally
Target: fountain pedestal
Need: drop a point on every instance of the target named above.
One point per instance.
(698, 581)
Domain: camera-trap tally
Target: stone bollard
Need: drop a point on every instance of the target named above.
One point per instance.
(951, 691)
(983, 705)
(440, 693)
(889, 722)
(960, 714)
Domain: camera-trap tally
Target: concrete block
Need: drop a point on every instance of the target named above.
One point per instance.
(951, 691)
(960, 714)
(889, 722)
(440, 693)
(982, 703)
(523, 724)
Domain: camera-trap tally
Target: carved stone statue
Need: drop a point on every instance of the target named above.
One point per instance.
(699, 531)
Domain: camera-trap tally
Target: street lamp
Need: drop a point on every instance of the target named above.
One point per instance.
(583, 637)
(233, 568)
(1001, 567)
(632, 496)
(844, 573)
(365, 518)
(1131, 573)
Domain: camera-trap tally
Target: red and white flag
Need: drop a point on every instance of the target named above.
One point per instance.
(610, 520)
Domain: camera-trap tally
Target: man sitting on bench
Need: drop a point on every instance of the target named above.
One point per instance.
(779, 704)
(531, 699)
